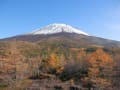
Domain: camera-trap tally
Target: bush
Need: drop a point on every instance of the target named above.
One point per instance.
(58, 88)
(3, 85)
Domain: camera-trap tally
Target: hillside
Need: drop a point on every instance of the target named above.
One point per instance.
(76, 39)
(27, 65)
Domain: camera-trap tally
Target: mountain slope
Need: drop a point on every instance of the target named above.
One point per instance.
(78, 40)
(66, 34)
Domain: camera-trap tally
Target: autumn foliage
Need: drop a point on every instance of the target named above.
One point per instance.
(86, 68)
(101, 68)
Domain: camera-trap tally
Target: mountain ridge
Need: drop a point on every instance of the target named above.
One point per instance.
(63, 32)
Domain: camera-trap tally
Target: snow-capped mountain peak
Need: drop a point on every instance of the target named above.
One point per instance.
(57, 28)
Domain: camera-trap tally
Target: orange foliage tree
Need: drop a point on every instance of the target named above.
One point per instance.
(100, 68)
(56, 63)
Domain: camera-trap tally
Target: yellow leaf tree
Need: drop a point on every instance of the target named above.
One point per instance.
(100, 68)
(56, 63)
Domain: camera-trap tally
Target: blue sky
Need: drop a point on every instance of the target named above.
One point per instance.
(96, 17)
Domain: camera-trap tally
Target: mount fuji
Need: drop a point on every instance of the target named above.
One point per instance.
(65, 34)
(57, 28)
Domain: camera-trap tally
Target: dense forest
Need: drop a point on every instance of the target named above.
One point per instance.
(58, 66)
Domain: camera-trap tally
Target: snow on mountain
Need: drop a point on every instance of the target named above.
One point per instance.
(57, 28)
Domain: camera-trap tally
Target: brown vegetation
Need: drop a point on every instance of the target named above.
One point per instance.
(57, 67)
